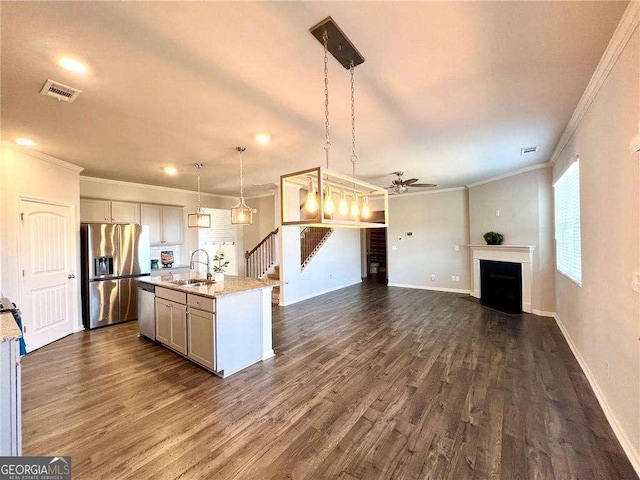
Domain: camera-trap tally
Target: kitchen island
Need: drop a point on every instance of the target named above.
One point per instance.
(223, 327)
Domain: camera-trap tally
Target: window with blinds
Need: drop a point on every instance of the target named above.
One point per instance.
(566, 193)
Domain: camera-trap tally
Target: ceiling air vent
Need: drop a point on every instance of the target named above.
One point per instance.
(60, 91)
(526, 150)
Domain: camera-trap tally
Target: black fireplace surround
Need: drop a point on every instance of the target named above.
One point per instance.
(501, 286)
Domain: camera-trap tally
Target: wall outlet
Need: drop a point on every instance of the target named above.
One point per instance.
(331, 275)
(453, 278)
(457, 278)
(393, 247)
(457, 248)
(433, 277)
(497, 213)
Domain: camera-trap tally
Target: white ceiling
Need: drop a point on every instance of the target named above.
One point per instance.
(449, 92)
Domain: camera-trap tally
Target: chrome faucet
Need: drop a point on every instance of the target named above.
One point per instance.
(191, 264)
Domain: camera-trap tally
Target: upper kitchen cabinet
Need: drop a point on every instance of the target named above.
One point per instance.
(95, 211)
(165, 223)
(125, 212)
(105, 211)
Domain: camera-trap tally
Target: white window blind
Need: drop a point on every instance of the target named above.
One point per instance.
(567, 222)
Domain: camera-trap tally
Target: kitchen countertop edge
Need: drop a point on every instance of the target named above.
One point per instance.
(8, 327)
(235, 284)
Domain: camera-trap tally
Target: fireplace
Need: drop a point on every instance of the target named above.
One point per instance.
(521, 255)
(501, 286)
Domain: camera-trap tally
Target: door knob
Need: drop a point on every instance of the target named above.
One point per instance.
(71, 275)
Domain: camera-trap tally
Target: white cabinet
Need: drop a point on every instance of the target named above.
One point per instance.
(165, 223)
(96, 211)
(171, 321)
(125, 212)
(10, 400)
(105, 211)
(151, 215)
(201, 335)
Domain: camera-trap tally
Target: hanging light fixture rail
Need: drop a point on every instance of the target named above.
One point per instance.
(321, 186)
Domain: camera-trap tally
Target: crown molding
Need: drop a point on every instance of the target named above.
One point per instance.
(513, 173)
(41, 156)
(150, 187)
(621, 36)
(272, 194)
(427, 192)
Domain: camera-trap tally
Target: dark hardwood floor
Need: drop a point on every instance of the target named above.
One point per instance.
(368, 382)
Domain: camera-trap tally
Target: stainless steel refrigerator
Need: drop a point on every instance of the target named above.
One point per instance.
(113, 258)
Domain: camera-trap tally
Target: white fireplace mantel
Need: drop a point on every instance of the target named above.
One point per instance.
(522, 254)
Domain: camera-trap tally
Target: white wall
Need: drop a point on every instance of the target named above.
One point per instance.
(30, 174)
(336, 265)
(439, 221)
(264, 221)
(601, 318)
(525, 203)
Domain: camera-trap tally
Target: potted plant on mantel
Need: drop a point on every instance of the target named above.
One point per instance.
(218, 270)
(493, 238)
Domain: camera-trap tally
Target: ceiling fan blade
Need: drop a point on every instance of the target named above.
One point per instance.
(410, 181)
(423, 185)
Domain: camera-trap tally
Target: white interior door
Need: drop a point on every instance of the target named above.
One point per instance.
(47, 253)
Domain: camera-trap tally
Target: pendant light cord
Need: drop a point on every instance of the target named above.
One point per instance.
(199, 166)
(241, 150)
(327, 143)
(354, 157)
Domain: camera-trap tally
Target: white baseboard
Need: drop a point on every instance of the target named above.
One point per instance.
(543, 313)
(316, 294)
(268, 354)
(436, 289)
(627, 445)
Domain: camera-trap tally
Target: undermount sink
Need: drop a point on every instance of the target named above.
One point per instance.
(193, 282)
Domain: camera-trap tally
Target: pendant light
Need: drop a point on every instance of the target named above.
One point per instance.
(241, 214)
(320, 183)
(329, 205)
(199, 219)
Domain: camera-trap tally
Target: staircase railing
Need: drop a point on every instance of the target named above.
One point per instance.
(311, 239)
(262, 257)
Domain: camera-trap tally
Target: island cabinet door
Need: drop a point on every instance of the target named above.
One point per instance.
(201, 332)
(179, 328)
(163, 321)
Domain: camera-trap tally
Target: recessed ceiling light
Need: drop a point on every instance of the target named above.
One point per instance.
(170, 170)
(25, 142)
(72, 65)
(262, 138)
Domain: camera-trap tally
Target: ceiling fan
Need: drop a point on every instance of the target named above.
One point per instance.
(399, 185)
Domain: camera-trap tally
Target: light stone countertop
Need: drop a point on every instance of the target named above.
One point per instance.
(232, 284)
(8, 327)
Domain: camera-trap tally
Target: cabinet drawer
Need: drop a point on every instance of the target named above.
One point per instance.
(203, 303)
(173, 295)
